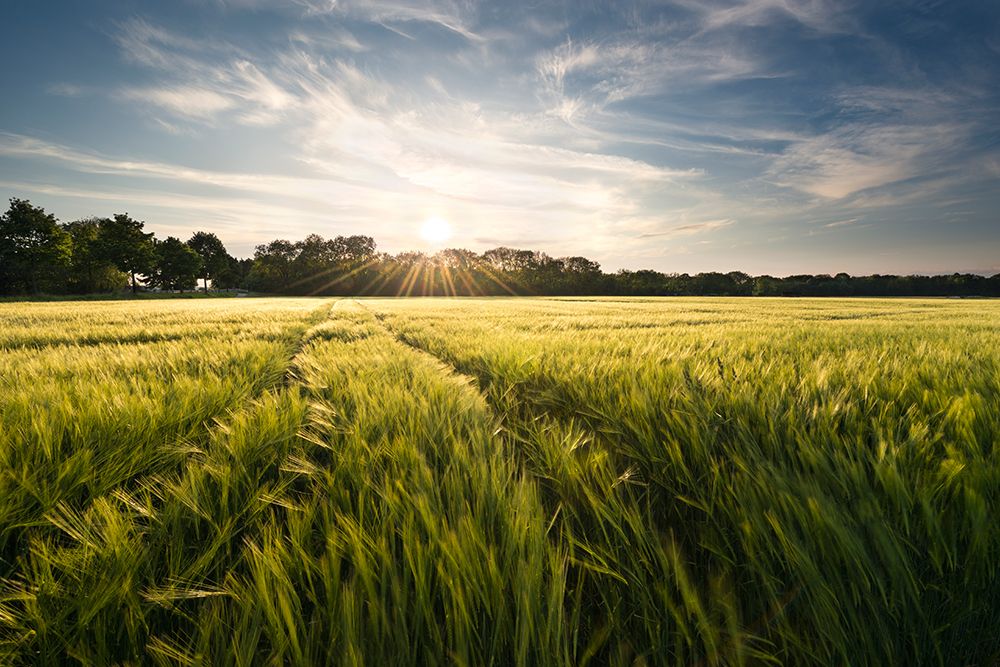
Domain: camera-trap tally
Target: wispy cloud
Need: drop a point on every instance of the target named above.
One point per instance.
(197, 82)
(689, 229)
(656, 129)
(330, 38)
(189, 101)
(578, 74)
(94, 163)
(841, 223)
(825, 16)
(360, 132)
(456, 17)
(886, 135)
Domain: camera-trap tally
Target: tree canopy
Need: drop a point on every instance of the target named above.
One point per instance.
(122, 242)
(176, 265)
(215, 261)
(90, 272)
(38, 254)
(34, 249)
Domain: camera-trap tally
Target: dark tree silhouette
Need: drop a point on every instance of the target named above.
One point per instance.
(176, 265)
(34, 250)
(99, 254)
(272, 266)
(88, 271)
(122, 241)
(235, 275)
(214, 258)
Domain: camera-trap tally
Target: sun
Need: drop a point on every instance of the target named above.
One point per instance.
(435, 230)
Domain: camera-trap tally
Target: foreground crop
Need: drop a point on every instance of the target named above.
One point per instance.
(500, 482)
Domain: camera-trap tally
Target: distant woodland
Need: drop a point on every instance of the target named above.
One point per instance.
(40, 255)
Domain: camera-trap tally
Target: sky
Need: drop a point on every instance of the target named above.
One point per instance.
(767, 136)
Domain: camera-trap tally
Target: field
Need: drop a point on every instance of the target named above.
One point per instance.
(499, 482)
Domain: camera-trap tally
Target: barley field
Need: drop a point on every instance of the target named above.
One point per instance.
(500, 482)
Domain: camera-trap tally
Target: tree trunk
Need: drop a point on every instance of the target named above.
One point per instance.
(205, 280)
(133, 283)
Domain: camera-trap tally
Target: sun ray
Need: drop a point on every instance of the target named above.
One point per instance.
(381, 280)
(496, 279)
(448, 282)
(358, 269)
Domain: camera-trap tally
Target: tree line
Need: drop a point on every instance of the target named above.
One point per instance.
(40, 255)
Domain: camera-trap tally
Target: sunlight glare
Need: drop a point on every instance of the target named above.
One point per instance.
(435, 230)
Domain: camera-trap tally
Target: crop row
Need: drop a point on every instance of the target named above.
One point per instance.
(499, 482)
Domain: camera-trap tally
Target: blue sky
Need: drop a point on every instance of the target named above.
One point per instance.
(769, 136)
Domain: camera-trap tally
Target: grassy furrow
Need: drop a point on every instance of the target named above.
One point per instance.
(661, 482)
(363, 513)
(409, 539)
(87, 424)
(825, 489)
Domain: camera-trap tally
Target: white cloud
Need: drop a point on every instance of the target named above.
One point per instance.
(187, 101)
(458, 17)
(689, 229)
(384, 151)
(332, 38)
(887, 135)
(577, 74)
(841, 223)
(826, 16)
(200, 81)
(149, 45)
(632, 135)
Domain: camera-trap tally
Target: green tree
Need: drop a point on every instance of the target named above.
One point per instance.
(272, 266)
(235, 274)
(34, 249)
(176, 266)
(88, 272)
(122, 241)
(580, 275)
(214, 258)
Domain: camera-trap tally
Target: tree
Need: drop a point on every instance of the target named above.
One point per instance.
(234, 275)
(314, 266)
(355, 250)
(87, 271)
(34, 249)
(502, 259)
(122, 241)
(177, 266)
(742, 284)
(581, 275)
(355, 259)
(272, 266)
(214, 258)
(644, 282)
